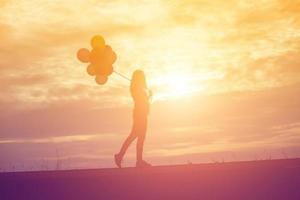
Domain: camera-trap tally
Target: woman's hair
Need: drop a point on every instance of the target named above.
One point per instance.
(138, 81)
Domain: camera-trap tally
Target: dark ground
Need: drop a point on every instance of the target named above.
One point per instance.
(255, 180)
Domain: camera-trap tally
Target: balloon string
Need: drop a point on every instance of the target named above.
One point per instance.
(123, 76)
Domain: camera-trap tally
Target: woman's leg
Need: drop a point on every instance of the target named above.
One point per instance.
(140, 147)
(140, 139)
(127, 142)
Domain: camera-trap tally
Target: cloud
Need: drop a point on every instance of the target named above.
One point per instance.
(230, 37)
(45, 45)
(243, 56)
(200, 129)
(53, 120)
(61, 139)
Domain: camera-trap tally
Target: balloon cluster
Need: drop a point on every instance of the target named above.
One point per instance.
(101, 59)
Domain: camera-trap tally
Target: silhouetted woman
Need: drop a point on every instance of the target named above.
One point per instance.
(141, 96)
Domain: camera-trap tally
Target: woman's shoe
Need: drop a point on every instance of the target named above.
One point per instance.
(118, 160)
(142, 164)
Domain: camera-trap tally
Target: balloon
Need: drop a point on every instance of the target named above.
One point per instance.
(109, 55)
(108, 48)
(101, 59)
(98, 42)
(83, 55)
(108, 70)
(91, 70)
(114, 57)
(100, 69)
(97, 56)
(101, 80)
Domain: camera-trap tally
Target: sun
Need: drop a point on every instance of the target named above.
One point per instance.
(175, 86)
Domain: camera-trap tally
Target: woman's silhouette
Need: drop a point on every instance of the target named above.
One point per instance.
(141, 96)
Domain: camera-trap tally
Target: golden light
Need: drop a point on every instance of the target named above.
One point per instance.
(175, 86)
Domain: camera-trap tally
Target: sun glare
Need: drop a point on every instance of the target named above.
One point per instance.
(177, 85)
(174, 86)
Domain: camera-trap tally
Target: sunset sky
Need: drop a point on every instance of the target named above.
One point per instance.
(225, 77)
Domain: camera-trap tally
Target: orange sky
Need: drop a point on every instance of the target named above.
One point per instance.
(225, 76)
